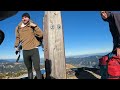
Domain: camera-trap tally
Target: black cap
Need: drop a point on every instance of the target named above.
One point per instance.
(26, 14)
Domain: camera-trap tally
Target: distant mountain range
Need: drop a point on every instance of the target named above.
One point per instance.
(87, 55)
(88, 60)
(3, 61)
(14, 60)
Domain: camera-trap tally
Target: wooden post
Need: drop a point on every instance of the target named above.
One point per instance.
(54, 52)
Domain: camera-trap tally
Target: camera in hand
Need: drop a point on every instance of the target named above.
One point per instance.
(19, 48)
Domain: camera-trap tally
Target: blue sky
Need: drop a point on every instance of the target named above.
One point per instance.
(84, 33)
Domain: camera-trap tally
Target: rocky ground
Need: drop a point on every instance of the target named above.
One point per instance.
(74, 73)
(82, 73)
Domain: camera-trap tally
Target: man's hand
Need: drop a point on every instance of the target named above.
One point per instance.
(16, 51)
(118, 52)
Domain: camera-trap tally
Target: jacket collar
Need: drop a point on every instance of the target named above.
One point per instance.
(19, 25)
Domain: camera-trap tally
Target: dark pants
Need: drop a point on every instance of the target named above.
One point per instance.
(32, 57)
(103, 71)
(114, 48)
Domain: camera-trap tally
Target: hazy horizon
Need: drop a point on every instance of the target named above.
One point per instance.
(101, 53)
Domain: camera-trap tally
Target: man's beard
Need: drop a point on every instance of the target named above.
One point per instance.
(25, 23)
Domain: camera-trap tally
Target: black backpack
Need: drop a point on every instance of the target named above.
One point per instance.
(2, 36)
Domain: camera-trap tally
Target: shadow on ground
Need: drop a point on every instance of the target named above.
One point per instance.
(84, 73)
(33, 78)
(78, 73)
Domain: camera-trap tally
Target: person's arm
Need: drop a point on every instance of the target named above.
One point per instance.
(38, 32)
(118, 52)
(106, 15)
(118, 48)
(17, 41)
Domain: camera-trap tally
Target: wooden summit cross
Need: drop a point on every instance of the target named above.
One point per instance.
(54, 52)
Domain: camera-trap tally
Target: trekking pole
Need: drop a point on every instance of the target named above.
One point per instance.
(18, 57)
(19, 49)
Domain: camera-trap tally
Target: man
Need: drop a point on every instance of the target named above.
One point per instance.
(114, 24)
(25, 35)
